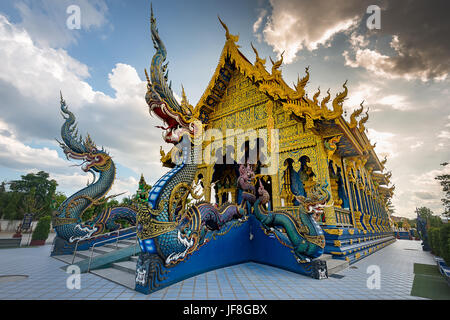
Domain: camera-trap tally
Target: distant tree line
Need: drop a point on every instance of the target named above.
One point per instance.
(36, 193)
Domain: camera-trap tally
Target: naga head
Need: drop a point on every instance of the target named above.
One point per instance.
(316, 201)
(180, 119)
(75, 147)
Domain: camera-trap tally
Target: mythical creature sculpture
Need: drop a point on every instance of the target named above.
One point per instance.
(302, 233)
(169, 230)
(68, 223)
(166, 228)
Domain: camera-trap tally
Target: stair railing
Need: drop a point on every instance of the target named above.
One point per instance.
(101, 235)
(117, 239)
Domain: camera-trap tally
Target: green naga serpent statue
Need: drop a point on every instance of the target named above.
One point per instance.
(68, 222)
(303, 234)
(169, 231)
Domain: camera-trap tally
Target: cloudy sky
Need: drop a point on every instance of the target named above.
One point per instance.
(400, 70)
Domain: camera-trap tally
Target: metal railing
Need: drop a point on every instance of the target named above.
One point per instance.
(117, 240)
(101, 235)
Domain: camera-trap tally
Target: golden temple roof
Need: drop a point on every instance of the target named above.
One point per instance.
(329, 120)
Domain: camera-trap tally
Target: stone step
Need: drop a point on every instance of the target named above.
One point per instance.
(127, 241)
(104, 249)
(119, 245)
(68, 258)
(134, 258)
(123, 278)
(334, 266)
(86, 254)
(126, 266)
(326, 257)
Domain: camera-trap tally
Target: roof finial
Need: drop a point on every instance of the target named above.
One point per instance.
(316, 96)
(259, 62)
(339, 100)
(355, 114)
(363, 120)
(183, 95)
(229, 36)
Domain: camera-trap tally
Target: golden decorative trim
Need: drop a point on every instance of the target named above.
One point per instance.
(62, 221)
(153, 228)
(338, 232)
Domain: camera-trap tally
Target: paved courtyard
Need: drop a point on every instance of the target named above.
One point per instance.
(246, 281)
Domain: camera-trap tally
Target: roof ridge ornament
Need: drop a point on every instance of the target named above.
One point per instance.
(339, 100)
(228, 35)
(276, 65)
(323, 104)
(356, 113)
(259, 63)
(276, 74)
(301, 84)
(363, 120)
(316, 96)
(384, 161)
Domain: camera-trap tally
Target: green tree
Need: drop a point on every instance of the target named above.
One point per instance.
(427, 214)
(444, 180)
(58, 199)
(37, 192)
(12, 203)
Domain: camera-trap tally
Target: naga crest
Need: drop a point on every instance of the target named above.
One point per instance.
(179, 118)
(75, 147)
(315, 202)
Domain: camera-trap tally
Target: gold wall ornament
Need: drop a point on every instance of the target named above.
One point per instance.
(358, 223)
(62, 221)
(338, 232)
(317, 240)
(152, 228)
(331, 145)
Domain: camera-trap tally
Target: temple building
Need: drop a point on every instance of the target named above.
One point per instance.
(315, 145)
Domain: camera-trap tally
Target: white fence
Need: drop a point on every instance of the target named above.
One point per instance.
(11, 225)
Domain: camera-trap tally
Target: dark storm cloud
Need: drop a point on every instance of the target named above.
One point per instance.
(423, 29)
(417, 31)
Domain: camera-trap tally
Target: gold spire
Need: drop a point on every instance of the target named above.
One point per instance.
(187, 108)
(183, 96)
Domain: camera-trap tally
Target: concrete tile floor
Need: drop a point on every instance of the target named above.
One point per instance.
(46, 281)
